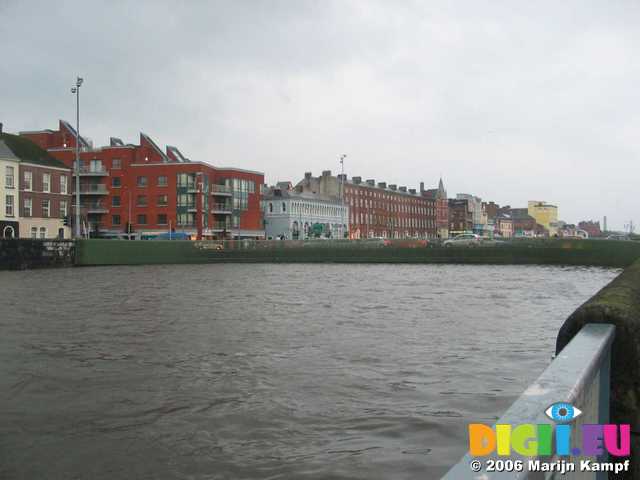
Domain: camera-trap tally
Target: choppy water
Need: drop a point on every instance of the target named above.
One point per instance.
(268, 371)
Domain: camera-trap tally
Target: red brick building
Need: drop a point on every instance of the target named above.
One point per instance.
(591, 227)
(377, 210)
(144, 191)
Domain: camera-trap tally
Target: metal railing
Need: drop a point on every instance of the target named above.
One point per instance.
(579, 375)
(221, 207)
(221, 226)
(92, 170)
(99, 189)
(220, 189)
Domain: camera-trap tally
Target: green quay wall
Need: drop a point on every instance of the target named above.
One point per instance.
(618, 304)
(22, 254)
(546, 252)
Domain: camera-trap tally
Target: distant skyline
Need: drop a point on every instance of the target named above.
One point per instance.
(509, 101)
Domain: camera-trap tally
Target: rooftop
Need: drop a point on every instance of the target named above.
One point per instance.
(27, 151)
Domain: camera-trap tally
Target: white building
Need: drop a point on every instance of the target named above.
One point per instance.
(292, 215)
(9, 196)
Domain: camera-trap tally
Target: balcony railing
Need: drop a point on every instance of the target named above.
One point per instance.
(224, 208)
(220, 190)
(98, 189)
(221, 226)
(88, 170)
(94, 207)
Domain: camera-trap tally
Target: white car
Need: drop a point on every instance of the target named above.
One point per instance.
(463, 240)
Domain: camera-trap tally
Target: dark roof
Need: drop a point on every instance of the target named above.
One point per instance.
(27, 151)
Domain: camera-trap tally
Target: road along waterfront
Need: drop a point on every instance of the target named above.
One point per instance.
(268, 371)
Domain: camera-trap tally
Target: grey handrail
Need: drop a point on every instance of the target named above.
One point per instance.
(579, 375)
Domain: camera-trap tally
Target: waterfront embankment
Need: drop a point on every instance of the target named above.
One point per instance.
(22, 254)
(543, 252)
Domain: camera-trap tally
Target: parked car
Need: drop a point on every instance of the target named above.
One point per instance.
(463, 240)
(618, 237)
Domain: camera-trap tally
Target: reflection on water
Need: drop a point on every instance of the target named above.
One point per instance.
(268, 371)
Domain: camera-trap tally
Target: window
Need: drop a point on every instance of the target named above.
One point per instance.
(28, 180)
(142, 181)
(27, 208)
(284, 207)
(116, 164)
(46, 182)
(162, 200)
(9, 206)
(115, 219)
(270, 207)
(116, 182)
(162, 219)
(115, 201)
(34, 232)
(142, 219)
(63, 208)
(141, 201)
(64, 184)
(45, 208)
(8, 177)
(43, 232)
(162, 181)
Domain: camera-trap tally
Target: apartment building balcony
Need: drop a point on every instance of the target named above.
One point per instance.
(98, 189)
(220, 190)
(95, 208)
(220, 226)
(92, 171)
(221, 209)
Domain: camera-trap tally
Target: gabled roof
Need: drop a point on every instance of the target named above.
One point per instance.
(27, 151)
(147, 139)
(67, 125)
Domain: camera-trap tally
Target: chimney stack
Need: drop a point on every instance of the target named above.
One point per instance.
(307, 175)
(382, 185)
(371, 182)
(326, 173)
(357, 180)
(403, 189)
(393, 187)
(412, 191)
(421, 187)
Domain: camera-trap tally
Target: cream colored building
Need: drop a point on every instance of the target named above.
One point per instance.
(9, 193)
(545, 214)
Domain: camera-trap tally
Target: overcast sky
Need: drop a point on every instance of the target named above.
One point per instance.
(510, 101)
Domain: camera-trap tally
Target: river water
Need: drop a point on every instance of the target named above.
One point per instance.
(268, 371)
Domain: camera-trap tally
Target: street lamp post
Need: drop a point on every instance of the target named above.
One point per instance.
(342, 157)
(76, 90)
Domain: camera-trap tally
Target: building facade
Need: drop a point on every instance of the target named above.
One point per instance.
(545, 214)
(376, 209)
(9, 192)
(460, 217)
(39, 190)
(295, 215)
(142, 191)
(439, 195)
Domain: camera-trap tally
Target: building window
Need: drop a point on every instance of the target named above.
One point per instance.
(8, 177)
(284, 207)
(116, 182)
(162, 181)
(141, 201)
(162, 200)
(43, 232)
(115, 201)
(142, 181)
(116, 164)
(270, 207)
(27, 208)
(162, 219)
(64, 184)
(45, 208)
(115, 219)
(34, 232)
(142, 219)
(63, 208)
(95, 166)
(9, 206)
(28, 180)
(46, 182)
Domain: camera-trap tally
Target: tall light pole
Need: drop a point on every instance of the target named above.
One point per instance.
(342, 157)
(76, 90)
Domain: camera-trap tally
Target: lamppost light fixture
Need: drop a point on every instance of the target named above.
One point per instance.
(74, 89)
(79, 81)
